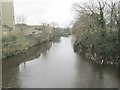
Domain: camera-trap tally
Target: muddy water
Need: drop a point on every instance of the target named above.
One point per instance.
(56, 65)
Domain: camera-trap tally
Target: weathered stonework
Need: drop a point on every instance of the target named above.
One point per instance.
(8, 20)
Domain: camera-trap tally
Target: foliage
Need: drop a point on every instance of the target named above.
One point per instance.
(18, 42)
(95, 37)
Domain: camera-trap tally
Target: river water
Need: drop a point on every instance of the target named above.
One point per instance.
(56, 65)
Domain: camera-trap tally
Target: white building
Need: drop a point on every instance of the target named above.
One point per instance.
(7, 16)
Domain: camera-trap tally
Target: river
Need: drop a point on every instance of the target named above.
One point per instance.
(56, 65)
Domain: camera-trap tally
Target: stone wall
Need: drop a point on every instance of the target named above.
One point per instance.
(33, 29)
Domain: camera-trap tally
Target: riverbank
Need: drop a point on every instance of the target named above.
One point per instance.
(90, 54)
(20, 46)
(24, 44)
(97, 36)
(26, 36)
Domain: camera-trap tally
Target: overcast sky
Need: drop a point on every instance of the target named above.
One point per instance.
(39, 11)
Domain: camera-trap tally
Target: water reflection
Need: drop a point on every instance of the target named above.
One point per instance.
(94, 75)
(11, 66)
(56, 65)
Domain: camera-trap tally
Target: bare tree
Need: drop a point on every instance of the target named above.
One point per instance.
(91, 28)
(118, 20)
(53, 24)
(21, 21)
(112, 7)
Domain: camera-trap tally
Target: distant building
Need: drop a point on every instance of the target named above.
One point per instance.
(0, 12)
(7, 16)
